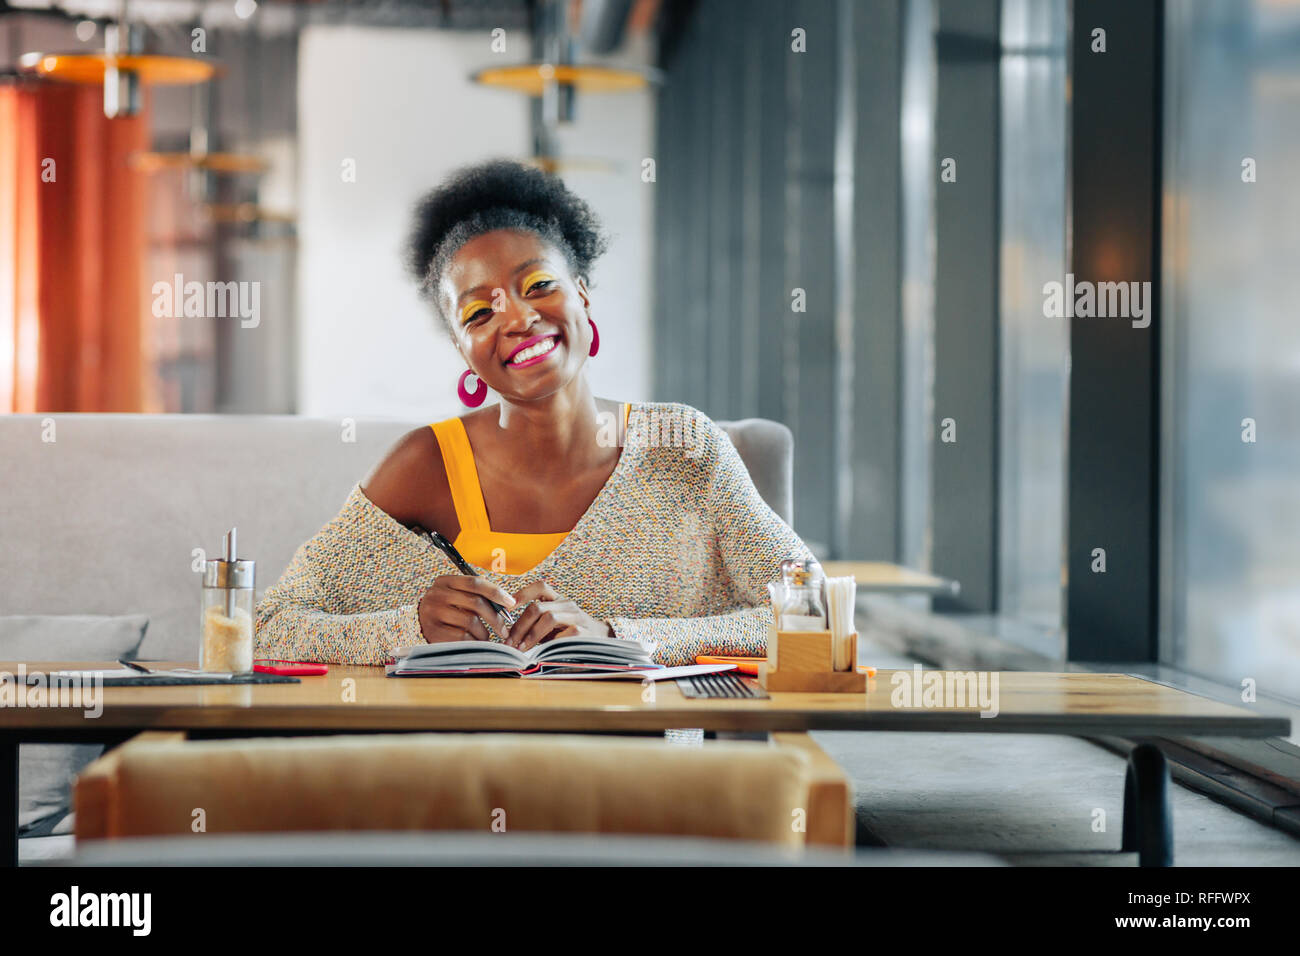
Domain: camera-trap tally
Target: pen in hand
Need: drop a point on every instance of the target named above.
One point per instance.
(446, 547)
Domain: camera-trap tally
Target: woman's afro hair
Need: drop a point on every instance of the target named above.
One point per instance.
(499, 194)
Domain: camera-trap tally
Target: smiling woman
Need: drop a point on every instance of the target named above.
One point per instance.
(571, 509)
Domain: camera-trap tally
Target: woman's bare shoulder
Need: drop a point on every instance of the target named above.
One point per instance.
(410, 480)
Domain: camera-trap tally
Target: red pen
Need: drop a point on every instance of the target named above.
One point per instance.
(290, 668)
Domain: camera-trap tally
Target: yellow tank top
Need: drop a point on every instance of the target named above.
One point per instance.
(477, 542)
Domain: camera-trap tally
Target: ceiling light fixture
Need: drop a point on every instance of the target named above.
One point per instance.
(123, 68)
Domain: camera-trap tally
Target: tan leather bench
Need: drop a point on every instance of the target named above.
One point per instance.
(787, 792)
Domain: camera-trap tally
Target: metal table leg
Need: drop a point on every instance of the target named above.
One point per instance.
(1148, 813)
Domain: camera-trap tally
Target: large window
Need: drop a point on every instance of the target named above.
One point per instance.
(1033, 350)
(916, 184)
(1231, 341)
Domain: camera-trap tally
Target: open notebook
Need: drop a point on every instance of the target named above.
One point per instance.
(563, 657)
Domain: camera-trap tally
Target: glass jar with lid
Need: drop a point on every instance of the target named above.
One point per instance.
(226, 613)
(802, 606)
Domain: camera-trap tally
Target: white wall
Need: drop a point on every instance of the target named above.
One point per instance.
(400, 103)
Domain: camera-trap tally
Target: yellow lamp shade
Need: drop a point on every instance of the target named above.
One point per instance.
(90, 67)
(213, 162)
(557, 164)
(242, 212)
(531, 78)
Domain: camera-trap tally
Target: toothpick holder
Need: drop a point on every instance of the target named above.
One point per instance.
(803, 661)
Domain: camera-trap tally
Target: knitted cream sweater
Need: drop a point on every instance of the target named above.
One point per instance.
(676, 550)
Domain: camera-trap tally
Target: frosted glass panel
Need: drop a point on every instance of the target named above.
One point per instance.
(1231, 340)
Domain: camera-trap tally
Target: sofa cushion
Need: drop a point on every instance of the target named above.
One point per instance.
(45, 771)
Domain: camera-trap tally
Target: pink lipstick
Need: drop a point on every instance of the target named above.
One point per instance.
(549, 343)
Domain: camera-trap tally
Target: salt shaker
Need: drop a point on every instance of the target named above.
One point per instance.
(804, 608)
(227, 613)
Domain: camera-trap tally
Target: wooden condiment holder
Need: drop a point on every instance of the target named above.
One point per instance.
(803, 661)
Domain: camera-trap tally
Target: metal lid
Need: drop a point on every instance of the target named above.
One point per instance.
(228, 574)
(802, 570)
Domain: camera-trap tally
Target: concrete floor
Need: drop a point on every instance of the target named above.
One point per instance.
(1025, 794)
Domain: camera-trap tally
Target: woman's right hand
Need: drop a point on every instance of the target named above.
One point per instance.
(449, 610)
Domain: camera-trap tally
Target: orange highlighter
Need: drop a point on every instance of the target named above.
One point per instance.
(745, 665)
(749, 665)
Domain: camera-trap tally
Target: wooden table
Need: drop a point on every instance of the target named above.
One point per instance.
(362, 699)
(881, 577)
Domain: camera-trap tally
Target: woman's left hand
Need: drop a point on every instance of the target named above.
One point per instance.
(551, 615)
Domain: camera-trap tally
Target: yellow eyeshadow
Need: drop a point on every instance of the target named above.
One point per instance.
(536, 276)
(472, 307)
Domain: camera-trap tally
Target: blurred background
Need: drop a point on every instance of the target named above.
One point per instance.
(838, 215)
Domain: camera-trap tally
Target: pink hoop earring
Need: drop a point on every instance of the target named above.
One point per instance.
(475, 398)
(595, 338)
